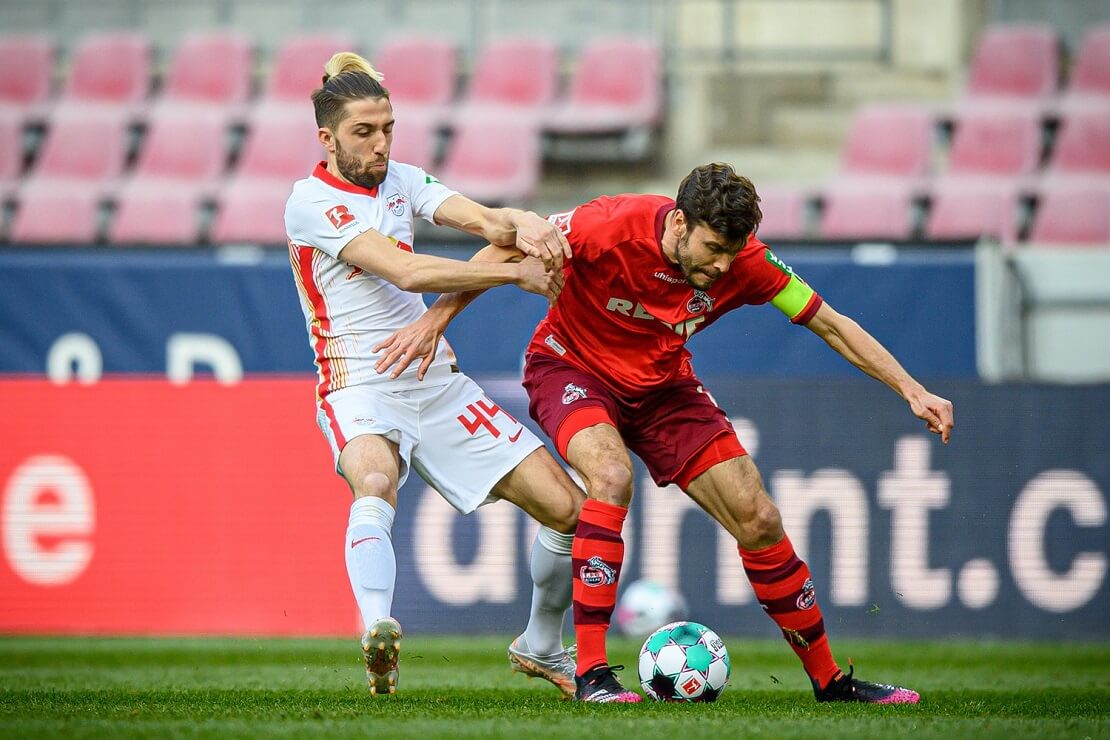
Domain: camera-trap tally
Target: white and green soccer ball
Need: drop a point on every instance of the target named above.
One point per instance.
(684, 661)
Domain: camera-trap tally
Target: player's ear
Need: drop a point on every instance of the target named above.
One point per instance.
(681, 225)
(327, 139)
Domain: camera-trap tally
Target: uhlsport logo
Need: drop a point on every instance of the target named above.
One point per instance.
(572, 393)
(395, 204)
(596, 573)
(808, 597)
(701, 301)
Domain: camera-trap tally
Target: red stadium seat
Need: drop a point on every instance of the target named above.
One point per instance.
(251, 212)
(784, 212)
(617, 85)
(150, 213)
(1015, 61)
(421, 74)
(513, 76)
(1091, 73)
(862, 211)
(1072, 213)
(83, 142)
(888, 140)
(969, 208)
(56, 212)
(1083, 140)
(185, 144)
(414, 142)
(110, 68)
(493, 160)
(210, 67)
(996, 140)
(11, 151)
(26, 68)
(281, 144)
(299, 65)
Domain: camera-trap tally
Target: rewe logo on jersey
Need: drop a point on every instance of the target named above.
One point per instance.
(395, 204)
(339, 216)
(625, 307)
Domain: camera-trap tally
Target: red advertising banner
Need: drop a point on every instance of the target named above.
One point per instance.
(137, 506)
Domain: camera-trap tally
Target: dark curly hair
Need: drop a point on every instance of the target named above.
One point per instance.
(714, 196)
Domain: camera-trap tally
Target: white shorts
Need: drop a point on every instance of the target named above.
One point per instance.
(451, 433)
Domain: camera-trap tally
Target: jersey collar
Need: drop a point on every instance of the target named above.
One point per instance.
(321, 173)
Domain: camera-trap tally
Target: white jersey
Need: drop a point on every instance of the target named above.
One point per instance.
(347, 310)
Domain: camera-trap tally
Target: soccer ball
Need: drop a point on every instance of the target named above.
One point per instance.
(684, 661)
(645, 605)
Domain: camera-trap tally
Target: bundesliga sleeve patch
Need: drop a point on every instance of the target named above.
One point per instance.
(340, 217)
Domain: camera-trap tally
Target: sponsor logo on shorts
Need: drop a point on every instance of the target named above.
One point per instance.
(395, 204)
(808, 597)
(701, 301)
(572, 393)
(514, 437)
(596, 573)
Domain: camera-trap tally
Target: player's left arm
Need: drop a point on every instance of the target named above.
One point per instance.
(861, 349)
(534, 236)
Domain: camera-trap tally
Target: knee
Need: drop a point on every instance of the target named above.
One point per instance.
(377, 485)
(612, 483)
(764, 527)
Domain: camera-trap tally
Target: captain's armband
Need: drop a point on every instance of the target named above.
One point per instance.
(797, 300)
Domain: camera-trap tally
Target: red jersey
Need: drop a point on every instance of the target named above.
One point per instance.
(625, 312)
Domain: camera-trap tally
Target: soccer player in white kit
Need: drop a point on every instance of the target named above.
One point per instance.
(350, 227)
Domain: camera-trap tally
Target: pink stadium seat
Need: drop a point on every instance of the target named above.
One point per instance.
(1072, 213)
(1091, 73)
(888, 140)
(298, 67)
(859, 211)
(513, 76)
(155, 214)
(251, 212)
(56, 212)
(617, 85)
(1083, 140)
(969, 208)
(1015, 61)
(414, 142)
(210, 67)
(185, 144)
(784, 212)
(280, 144)
(84, 142)
(996, 140)
(110, 68)
(493, 160)
(421, 74)
(26, 67)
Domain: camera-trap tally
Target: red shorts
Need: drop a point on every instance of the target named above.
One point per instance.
(677, 429)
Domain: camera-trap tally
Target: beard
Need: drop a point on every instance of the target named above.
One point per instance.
(353, 169)
(695, 277)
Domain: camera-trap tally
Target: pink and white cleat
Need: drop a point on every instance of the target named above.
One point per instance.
(846, 688)
(600, 685)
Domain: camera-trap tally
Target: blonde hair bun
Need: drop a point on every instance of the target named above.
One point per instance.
(348, 61)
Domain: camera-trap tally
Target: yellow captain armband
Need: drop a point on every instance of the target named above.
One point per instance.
(793, 299)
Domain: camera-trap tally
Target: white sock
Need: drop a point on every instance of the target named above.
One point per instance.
(371, 564)
(551, 591)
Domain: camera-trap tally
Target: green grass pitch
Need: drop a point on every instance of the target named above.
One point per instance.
(461, 687)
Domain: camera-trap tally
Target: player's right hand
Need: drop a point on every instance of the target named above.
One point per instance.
(420, 339)
(534, 277)
(537, 237)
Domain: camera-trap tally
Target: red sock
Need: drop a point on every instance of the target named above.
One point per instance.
(596, 558)
(783, 585)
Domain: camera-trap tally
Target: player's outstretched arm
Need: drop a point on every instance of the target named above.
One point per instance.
(861, 349)
(532, 235)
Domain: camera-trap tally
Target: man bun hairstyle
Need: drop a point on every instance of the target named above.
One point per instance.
(347, 76)
(715, 196)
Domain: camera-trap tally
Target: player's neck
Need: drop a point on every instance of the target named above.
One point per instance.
(668, 243)
(333, 170)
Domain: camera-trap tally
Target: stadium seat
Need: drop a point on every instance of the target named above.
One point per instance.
(888, 140)
(784, 212)
(970, 208)
(1083, 140)
(210, 67)
(1072, 213)
(56, 212)
(1091, 74)
(513, 77)
(1015, 61)
(185, 146)
(280, 144)
(83, 142)
(617, 84)
(11, 151)
(862, 211)
(996, 140)
(493, 160)
(26, 68)
(251, 212)
(110, 68)
(421, 74)
(414, 142)
(298, 67)
(157, 214)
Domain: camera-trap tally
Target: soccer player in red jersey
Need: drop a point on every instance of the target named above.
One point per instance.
(607, 371)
